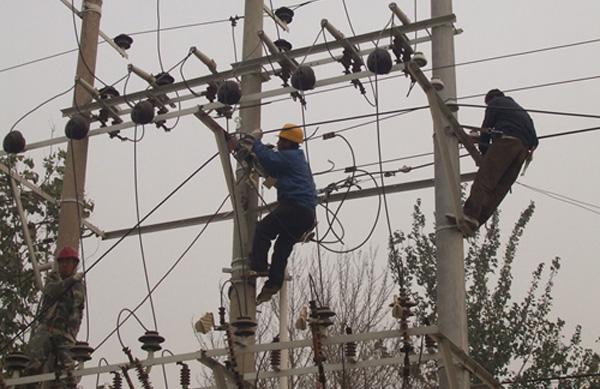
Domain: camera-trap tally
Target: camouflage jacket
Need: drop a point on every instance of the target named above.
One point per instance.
(62, 304)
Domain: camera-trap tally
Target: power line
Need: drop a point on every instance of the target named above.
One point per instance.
(554, 378)
(466, 97)
(160, 61)
(173, 266)
(112, 247)
(564, 199)
(80, 54)
(569, 132)
(530, 110)
(520, 53)
(139, 234)
(143, 32)
(40, 106)
(416, 108)
(535, 86)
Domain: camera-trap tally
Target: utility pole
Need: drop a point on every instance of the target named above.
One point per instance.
(452, 317)
(71, 204)
(250, 119)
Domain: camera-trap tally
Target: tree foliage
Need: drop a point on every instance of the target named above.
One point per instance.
(18, 292)
(515, 339)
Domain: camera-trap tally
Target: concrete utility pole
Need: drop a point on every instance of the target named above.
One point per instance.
(452, 317)
(71, 209)
(250, 120)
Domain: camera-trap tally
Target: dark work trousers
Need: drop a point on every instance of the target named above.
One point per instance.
(499, 169)
(287, 222)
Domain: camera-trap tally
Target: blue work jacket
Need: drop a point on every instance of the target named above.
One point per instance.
(294, 179)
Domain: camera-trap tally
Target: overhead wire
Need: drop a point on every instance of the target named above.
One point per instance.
(217, 21)
(552, 378)
(531, 110)
(475, 95)
(160, 61)
(350, 182)
(380, 158)
(233, 25)
(139, 232)
(114, 245)
(143, 32)
(412, 156)
(319, 259)
(372, 229)
(178, 118)
(416, 108)
(39, 106)
(119, 323)
(81, 57)
(170, 270)
(564, 199)
(572, 132)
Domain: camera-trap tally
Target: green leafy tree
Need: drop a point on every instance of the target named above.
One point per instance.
(19, 294)
(515, 340)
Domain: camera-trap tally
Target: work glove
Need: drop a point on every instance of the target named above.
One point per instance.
(232, 143)
(256, 134)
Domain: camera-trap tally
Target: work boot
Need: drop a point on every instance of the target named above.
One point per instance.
(265, 294)
(470, 226)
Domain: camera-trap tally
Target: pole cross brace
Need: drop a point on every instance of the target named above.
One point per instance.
(38, 191)
(351, 49)
(435, 100)
(112, 111)
(26, 234)
(94, 8)
(444, 119)
(220, 372)
(283, 60)
(276, 19)
(236, 200)
(451, 352)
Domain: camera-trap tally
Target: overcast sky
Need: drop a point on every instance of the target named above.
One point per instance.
(566, 165)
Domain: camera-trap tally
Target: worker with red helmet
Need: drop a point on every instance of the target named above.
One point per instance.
(60, 315)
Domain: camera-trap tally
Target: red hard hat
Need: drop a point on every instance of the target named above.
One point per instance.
(68, 252)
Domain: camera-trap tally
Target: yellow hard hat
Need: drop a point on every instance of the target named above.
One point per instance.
(292, 133)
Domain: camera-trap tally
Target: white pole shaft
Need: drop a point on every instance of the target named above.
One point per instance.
(449, 242)
(284, 335)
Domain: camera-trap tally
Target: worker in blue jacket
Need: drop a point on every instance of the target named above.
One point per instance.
(513, 138)
(295, 212)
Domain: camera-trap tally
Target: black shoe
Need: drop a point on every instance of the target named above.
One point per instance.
(265, 294)
(259, 269)
(470, 226)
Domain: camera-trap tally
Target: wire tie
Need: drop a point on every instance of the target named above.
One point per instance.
(72, 201)
(89, 7)
(447, 227)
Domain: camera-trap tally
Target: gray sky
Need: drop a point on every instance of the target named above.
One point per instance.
(566, 165)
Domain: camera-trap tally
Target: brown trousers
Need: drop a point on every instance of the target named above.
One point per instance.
(498, 171)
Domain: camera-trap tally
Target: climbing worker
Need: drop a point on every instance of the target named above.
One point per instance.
(60, 314)
(513, 139)
(295, 212)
